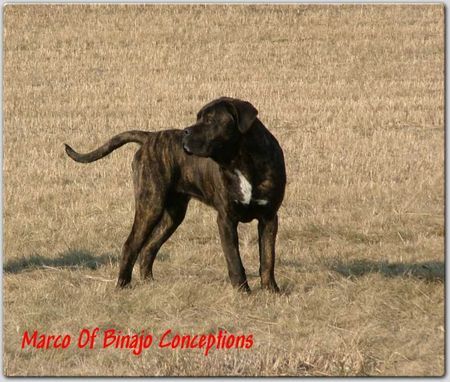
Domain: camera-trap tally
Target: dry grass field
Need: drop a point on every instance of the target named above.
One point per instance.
(354, 94)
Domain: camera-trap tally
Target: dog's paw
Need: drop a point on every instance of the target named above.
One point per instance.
(123, 283)
(271, 287)
(243, 288)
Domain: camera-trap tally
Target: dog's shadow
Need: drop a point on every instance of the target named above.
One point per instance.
(427, 270)
(69, 259)
(430, 271)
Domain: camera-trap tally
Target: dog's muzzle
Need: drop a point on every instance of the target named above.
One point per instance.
(187, 132)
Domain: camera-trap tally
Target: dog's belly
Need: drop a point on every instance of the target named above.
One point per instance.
(226, 200)
(247, 213)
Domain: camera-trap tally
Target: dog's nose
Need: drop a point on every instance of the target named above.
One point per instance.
(187, 131)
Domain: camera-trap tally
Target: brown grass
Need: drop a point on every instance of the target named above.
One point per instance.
(355, 95)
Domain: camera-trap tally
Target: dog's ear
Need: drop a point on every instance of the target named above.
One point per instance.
(245, 113)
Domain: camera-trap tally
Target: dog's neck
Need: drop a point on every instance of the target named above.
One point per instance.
(240, 162)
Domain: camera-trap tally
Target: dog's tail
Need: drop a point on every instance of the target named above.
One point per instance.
(113, 144)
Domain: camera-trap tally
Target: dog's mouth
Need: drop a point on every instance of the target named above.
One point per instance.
(187, 150)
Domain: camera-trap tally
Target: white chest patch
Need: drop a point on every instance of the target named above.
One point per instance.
(246, 188)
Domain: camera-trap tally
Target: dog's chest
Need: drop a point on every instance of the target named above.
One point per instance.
(242, 191)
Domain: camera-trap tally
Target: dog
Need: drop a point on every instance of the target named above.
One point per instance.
(228, 160)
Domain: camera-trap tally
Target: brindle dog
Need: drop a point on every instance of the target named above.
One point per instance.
(226, 159)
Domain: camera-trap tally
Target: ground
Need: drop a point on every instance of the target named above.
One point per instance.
(355, 96)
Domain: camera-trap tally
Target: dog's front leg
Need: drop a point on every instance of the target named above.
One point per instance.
(267, 232)
(230, 245)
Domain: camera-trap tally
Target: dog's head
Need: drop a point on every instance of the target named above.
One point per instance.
(219, 127)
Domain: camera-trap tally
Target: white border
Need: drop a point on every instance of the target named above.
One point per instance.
(447, 172)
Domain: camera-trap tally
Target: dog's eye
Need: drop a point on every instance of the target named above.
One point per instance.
(208, 119)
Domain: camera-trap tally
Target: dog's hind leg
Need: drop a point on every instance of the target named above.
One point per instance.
(150, 197)
(173, 215)
(144, 222)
